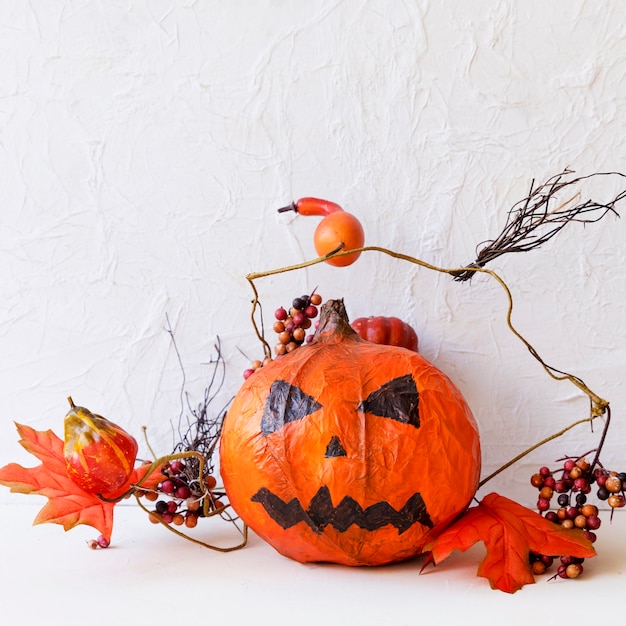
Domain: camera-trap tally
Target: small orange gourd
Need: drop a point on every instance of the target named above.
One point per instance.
(347, 451)
(390, 331)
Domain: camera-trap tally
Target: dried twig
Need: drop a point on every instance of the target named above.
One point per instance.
(203, 426)
(535, 220)
(196, 438)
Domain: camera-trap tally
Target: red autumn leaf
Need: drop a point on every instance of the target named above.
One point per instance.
(509, 531)
(68, 504)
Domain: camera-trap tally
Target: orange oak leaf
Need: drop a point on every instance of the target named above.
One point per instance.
(68, 504)
(509, 531)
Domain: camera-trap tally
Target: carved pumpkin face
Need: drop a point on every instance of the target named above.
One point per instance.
(347, 451)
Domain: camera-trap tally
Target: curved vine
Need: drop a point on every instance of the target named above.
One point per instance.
(598, 406)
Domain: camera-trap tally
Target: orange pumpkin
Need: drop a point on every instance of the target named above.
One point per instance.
(347, 451)
(389, 331)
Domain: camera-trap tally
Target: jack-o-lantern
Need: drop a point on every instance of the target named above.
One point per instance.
(347, 451)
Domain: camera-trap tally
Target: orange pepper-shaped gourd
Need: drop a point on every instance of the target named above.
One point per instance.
(99, 455)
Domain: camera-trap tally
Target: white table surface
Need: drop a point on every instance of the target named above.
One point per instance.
(150, 576)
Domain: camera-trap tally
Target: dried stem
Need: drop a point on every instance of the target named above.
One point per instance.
(202, 430)
(204, 544)
(520, 456)
(144, 429)
(598, 406)
(596, 458)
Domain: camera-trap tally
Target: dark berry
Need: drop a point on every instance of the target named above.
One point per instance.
(298, 318)
(182, 492)
(167, 487)
(593, 522)
(311, 311)
(176, 467)
(560, 486)
(580, 484)
(281, 314)
(543, 504)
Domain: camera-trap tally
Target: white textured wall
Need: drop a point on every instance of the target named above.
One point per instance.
(145, 145)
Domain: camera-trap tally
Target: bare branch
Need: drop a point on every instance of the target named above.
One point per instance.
(535, 220)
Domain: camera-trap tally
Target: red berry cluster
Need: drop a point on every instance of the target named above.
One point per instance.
(291, 327)
(569, 566)
(176, 498)
(572, 483)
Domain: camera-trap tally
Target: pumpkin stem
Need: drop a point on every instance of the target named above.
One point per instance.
(334, 321)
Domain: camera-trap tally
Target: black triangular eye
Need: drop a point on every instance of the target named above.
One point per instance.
(398, 400)
(286, 403)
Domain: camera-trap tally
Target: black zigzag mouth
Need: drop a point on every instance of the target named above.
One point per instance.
(321, 512)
